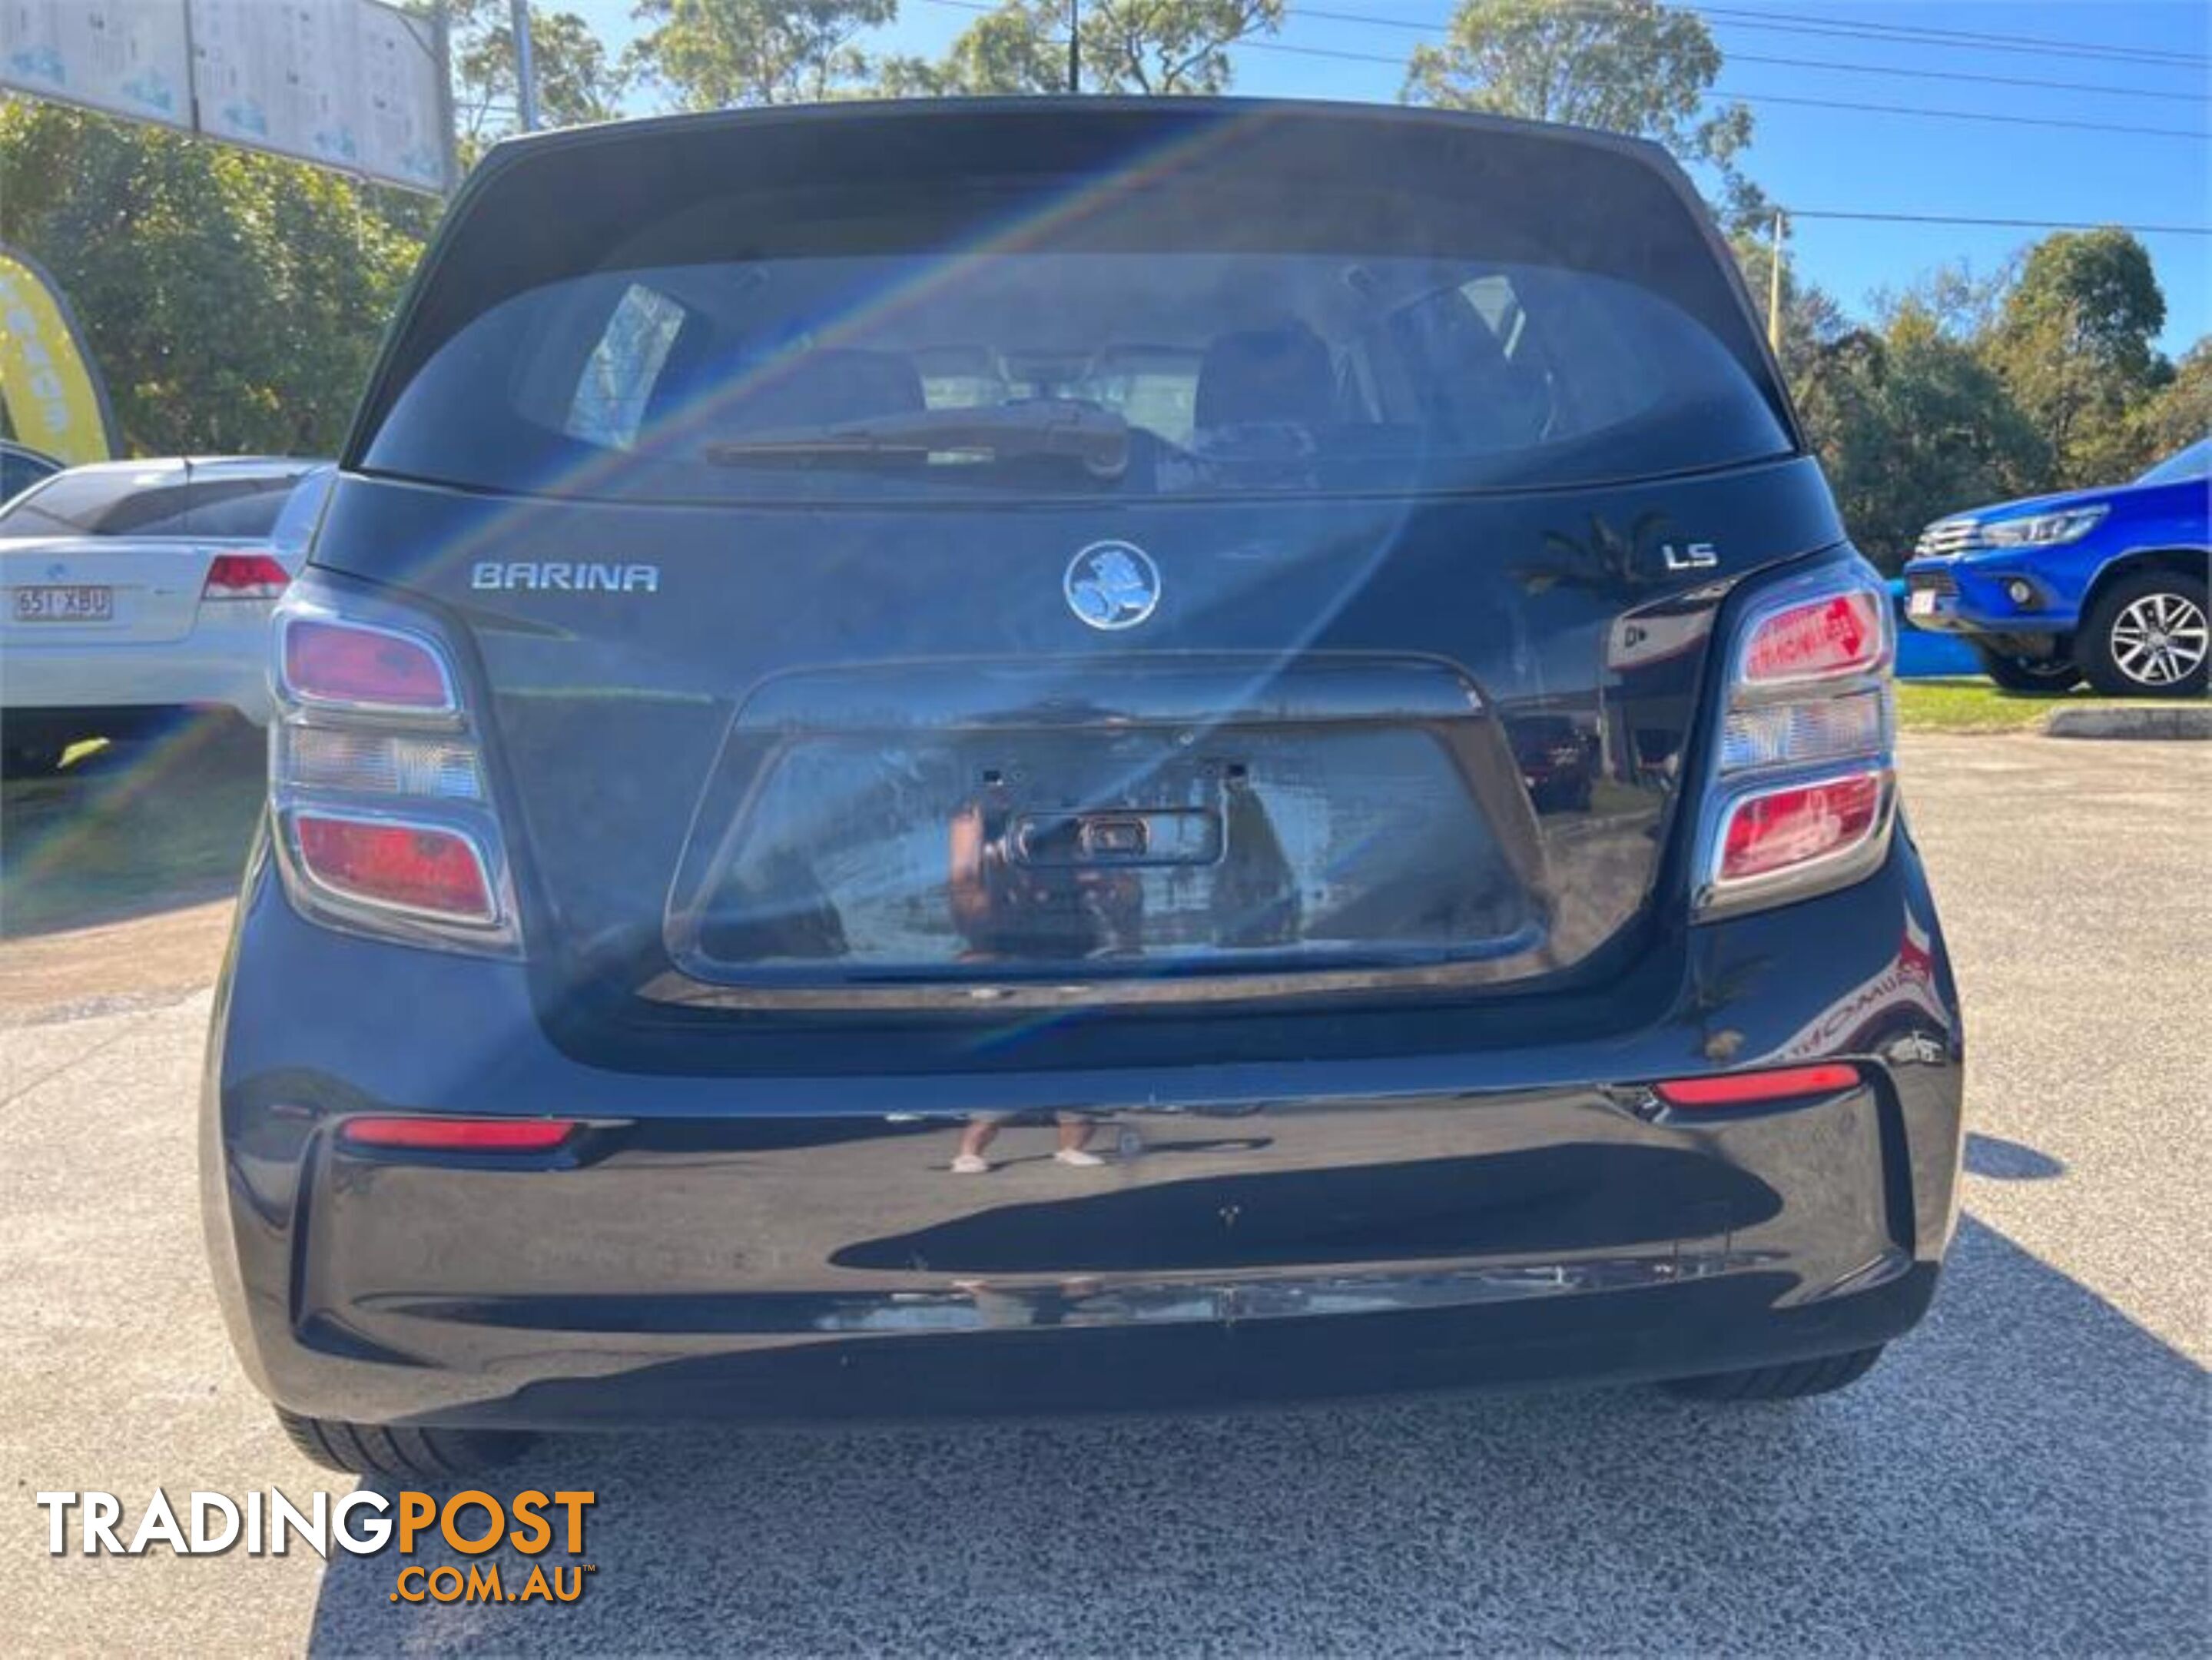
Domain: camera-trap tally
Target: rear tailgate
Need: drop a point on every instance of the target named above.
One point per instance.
(1374, 663)
(740, 786)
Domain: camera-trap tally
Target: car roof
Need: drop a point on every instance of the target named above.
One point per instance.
(236, 466)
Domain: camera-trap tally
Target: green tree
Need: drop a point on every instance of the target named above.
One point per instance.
(1910, 424)
(1006, 53)
(1963, 305)
(2181, 412)
(719, 54)
(577, 80)
(1146, 47)
(1811, 316)
(232, 300)
(2073, 342)
(1164, 46)
(1632, 66)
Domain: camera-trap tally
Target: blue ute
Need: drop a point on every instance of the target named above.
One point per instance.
(2102, 585)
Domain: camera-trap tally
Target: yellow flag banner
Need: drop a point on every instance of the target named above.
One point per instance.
(53, 394)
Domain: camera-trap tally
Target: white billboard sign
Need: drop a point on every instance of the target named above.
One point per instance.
(401, 117)
(128, 56)
(347, 83)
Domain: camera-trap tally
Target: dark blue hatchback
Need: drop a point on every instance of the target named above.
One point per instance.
(1025, 756)
(2107, 584)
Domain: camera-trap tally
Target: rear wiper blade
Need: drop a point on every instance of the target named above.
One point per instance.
(1096, 439)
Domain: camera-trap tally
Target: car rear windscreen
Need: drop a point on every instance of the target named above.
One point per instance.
(160, 501)
(1118, 301)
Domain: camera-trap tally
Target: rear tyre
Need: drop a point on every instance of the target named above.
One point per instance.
(1789, 1383)
(30, 760)
(2146, 637)
(2036, 677)
(393, 1450)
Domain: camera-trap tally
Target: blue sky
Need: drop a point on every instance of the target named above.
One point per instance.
(1859, 159)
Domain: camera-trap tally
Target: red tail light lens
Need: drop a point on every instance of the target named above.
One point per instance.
(420, 868)
(1837, 634)
(354, 666)
(1745, 1089)
(245, 576)
(1794, 826)
(460, 1134)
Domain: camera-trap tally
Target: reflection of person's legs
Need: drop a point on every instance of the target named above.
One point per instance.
(970, 1160)
(1074, 1134)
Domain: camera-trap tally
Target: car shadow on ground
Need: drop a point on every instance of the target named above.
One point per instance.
(2001, 1160)
(130, 829)
(2024, 1474)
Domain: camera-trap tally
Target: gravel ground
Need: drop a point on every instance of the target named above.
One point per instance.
(2028, 1473)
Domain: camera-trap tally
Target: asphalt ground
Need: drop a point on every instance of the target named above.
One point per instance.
(2030, 1472)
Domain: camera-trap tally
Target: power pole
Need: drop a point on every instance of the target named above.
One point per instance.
(1774, 286)
(526, 68)
(441, 48)
(1075, 45)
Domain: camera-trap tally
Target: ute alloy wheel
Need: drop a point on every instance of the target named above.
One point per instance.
(2036, 677)
(2148, 637)
(394, 1450)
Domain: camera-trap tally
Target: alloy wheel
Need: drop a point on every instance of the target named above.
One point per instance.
(2159, 639)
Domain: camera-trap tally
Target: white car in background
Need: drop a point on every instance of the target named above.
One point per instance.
(137, 589)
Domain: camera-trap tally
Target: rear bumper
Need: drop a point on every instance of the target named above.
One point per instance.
(222, 663)
(787, 1247)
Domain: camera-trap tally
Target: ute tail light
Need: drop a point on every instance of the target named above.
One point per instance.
(245, 576)
(1804, 792)
(384, 824)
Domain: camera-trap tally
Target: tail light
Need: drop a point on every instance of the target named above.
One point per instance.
(384, 824)
(354, 667)
(423, 868)
(245, 576)
(1804, 791)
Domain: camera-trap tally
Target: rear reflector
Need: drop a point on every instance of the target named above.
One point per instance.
(460, 1134)
(410, 867)
(1799, 823)
(245, 576)
(1837, 634)
(1745, 1088)
(348, 664)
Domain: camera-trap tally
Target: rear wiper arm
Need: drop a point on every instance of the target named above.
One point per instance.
(1096, 439)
